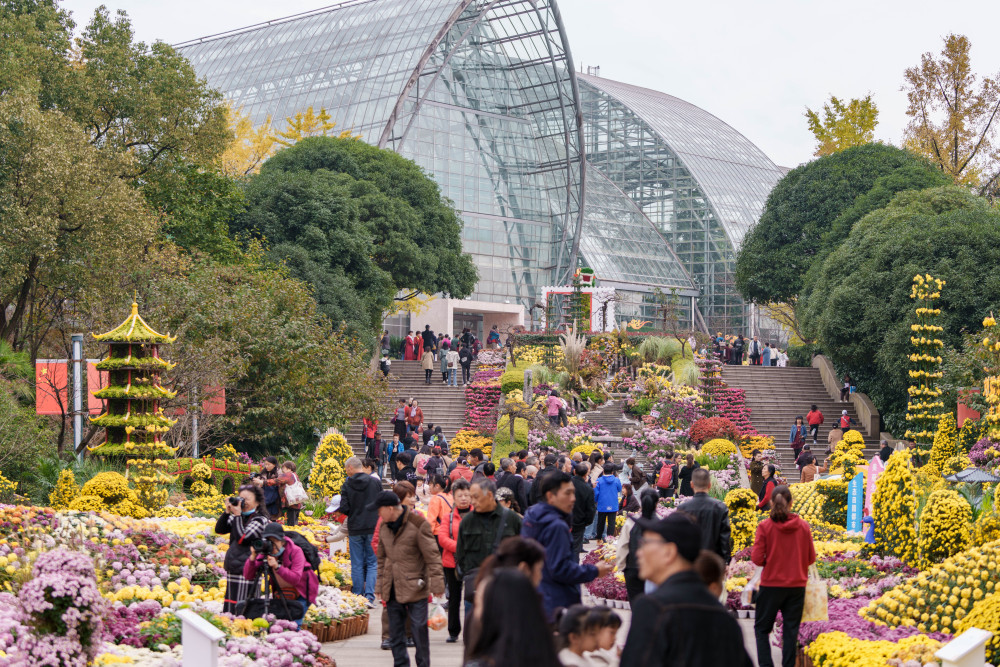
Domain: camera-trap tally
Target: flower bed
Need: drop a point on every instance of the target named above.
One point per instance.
(481, 398)
(141, 572)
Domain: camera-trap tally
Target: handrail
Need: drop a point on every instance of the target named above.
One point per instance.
(869, 418)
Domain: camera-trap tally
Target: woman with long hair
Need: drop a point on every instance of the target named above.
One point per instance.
(244, 522)
(510, 624)
(684, 475)
(756, 471)
(797, 435)
(784, 547)
(628, 545)
(767, 487)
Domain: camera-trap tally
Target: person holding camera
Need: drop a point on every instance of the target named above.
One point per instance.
(294, 581)
(244, 520)
(268, 480)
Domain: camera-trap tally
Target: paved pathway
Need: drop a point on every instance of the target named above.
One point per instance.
(364, 650)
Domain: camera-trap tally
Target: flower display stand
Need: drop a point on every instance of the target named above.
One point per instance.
(340, 629)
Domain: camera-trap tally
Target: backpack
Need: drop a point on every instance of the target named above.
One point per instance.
(295, 493)
(845, 422)
(666, 476)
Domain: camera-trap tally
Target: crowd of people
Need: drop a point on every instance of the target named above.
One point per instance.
(734, 350)
(451, 354)
(476, 538)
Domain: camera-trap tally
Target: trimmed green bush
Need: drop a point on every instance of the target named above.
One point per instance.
(512, 378)
(502, 445)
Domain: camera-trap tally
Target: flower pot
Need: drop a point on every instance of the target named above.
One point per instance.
(742, 613)
(751, 613)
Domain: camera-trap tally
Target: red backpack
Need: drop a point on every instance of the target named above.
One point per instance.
(666, 476)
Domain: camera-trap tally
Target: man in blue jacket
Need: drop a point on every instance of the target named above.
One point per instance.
(548, 523)
(606, 491)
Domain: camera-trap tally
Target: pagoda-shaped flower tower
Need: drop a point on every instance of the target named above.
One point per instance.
(133, 420)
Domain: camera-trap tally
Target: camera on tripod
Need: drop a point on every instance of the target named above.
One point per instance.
(263, 546)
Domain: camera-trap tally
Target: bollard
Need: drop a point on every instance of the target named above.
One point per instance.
(200, 640)
(528, 398)
(966, 650)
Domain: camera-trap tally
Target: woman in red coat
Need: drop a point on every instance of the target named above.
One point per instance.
(784, 547)
(409, 350)
(448, 539)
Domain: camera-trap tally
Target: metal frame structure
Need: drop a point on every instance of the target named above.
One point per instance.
(701, 183)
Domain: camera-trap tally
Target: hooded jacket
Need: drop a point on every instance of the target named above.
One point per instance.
(293, 568)
(606, 493)
(360, 490)
(785, 550)
(562, 573)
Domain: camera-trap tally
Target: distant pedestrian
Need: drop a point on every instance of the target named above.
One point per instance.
(453, 363)
(606, 491)
(385, 365)
(427, 364)
(845, 388)
(628, 545)
(814, 418)
(711, 515)
(585, 506)
(553, 404)
(765, 355)
(447, 537)
(784, 547)
(797, 436)
(767, 488)
(493, 339)
(399, 418)
(386, 342)
(429, 339)
(756, 471)
(845, 423)
(465, 361)
(358, 492)
(443, 359)
(774, 355)
(754, 352)
(684, 475)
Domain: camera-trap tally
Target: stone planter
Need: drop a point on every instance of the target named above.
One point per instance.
(741, 613)
(340, 629)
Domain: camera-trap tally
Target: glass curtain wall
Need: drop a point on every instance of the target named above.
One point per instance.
(702, 198)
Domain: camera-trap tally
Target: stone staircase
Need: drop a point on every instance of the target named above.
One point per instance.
(776, 396)
(443, 405)
(610, 417)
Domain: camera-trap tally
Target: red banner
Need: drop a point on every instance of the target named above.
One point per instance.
(51, 387)
(96, 380)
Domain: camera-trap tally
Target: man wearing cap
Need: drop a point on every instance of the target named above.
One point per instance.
(294, 579)
(409, 570)
(711, 515)
(547, 522)
(359, 491)
(679, 624)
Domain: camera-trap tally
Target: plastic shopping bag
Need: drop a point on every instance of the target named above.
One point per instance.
(437, 619)
(815, 606)
(747, 597)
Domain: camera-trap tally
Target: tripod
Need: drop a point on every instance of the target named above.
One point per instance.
(270, 579)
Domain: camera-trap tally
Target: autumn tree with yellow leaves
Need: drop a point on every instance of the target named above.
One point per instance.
(843, 124)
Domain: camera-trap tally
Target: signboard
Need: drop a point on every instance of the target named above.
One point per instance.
(855, 502)
(51, 385)
(96, 380)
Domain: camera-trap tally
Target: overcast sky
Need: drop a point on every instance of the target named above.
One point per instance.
(755, 65)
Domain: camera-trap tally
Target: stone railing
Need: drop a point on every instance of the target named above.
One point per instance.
(868, 417)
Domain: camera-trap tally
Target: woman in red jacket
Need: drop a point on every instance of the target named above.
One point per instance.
(784, 547)
(767, 489)
(448, 539)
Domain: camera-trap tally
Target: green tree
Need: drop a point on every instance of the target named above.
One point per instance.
(65, 216)
(359, 224)
(250, 327)
(860, 305)
(802, 220)
(843, 125)
(954, 119)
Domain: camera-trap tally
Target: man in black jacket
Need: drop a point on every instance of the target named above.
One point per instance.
(680, 623)
(430, 340)
(585, 507)
(711, 515)
(515, 483)
(360, 490)
(465, 359)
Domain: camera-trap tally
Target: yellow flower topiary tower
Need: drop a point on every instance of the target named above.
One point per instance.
(133, 421)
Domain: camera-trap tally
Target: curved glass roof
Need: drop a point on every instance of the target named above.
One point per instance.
(734, 174)
(621, 244)
(480, 94)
